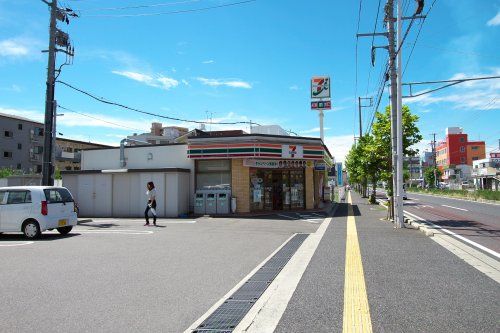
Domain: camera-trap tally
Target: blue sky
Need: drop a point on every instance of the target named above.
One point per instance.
(248, 62)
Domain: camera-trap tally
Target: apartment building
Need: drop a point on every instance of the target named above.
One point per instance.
(21, 143)
(68, 152)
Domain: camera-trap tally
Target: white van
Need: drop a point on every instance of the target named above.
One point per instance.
(34, 209)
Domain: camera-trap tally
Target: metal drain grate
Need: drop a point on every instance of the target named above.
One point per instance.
(227, 316)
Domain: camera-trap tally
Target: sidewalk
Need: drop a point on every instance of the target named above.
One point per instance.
(412, 283)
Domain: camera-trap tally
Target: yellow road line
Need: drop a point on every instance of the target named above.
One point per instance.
(356, 308)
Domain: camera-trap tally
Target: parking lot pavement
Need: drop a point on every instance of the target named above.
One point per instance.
(116, 275)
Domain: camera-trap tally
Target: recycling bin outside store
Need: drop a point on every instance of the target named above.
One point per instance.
(199, 203)
(211, 203)
(223, 203)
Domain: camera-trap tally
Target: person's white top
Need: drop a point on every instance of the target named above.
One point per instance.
(151, 194)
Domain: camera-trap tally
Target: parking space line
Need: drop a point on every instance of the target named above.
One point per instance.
(17, 244)
(356, 308)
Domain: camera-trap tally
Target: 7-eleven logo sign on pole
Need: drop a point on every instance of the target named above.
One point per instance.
(320, 87)
(292, 151)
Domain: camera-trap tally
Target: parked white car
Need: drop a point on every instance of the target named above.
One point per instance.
(34, 209)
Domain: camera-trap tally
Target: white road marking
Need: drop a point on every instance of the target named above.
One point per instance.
(476, 259)
(267, 311)
(450, 198)
(17, 244)
(116, 231)
(465, 210)
(236, 287)
(426, 206)
(283, 215)
(479, 246)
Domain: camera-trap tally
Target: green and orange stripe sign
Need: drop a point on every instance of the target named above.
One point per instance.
(245, 150)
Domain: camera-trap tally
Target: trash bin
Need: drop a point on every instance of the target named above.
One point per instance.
(222, 203)
(199, 203)
(233, 205)
(210, 204)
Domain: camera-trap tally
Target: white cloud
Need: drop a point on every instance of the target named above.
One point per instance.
(313, 130)
(207, 62)
(234, 83)
(185, 82)
(19, 47)
(471, 95)
(339, 146)
(494, 21)
(294, 87)
(157, 81)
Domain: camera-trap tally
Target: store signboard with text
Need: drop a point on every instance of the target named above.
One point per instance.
(277, 164)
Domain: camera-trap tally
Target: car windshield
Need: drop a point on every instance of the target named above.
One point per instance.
(56, 195)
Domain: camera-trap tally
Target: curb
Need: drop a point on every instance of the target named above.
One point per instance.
(416, 225)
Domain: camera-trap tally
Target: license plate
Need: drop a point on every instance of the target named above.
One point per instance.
(62, 222)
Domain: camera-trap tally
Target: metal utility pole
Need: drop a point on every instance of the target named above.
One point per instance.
(321, 129)
(394, 91)
(399, 136)
(47, 168)
(359, 111)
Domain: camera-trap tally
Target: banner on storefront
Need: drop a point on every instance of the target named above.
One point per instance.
(320, 87)
(292, 151)
(320, 166)
(277, 164)
(339, 174)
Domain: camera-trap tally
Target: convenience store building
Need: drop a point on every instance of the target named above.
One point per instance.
(263, 172)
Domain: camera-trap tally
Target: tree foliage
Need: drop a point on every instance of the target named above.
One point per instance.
(370, 160)
(429, 176)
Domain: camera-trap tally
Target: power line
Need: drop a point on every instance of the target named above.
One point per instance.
(103, 100)
(418, 34)
(175, 11)
(138, 6)
(356, 60)
(95, 118)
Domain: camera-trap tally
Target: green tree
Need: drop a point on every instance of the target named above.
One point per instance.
(429, 176)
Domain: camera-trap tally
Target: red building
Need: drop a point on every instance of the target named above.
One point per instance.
(457, 150)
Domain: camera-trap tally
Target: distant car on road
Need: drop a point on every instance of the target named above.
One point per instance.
(34, 209)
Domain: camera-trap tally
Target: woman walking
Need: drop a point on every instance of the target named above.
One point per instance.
(151, 193)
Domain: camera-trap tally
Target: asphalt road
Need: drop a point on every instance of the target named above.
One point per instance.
(476, 221)
(115, 275)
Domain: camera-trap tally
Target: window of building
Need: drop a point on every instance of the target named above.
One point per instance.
(38, 149)
(462, 159)
(462, 139)
(38, 169)
(68, 168)
(475, 158)
(18, 166)
(474, 147)
(20, 127)
(8, 134)
(76, 168)
(7, 154)
(19, 146)
(462, 149)
(213, 173)
(38, 131)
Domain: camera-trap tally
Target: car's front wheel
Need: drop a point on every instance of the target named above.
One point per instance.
(31, 229)
(64, 230)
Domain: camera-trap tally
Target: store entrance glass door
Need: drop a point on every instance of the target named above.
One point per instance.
(277, 190)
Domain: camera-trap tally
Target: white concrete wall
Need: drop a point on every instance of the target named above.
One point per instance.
(173, 156)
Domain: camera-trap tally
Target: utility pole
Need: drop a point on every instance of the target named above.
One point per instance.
(389, 8)
(433, 145)
(56, 38)
(399, 136)
(321, 129)
(47, 168)
(359, 111)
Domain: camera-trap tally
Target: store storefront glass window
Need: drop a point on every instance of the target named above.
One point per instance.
(276, 189)
(213, 173)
